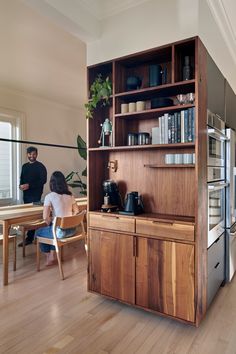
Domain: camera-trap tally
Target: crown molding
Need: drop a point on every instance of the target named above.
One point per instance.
(223, 20)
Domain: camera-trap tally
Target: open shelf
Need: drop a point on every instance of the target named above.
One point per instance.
(144, 147)
(153, 113)
(169, 165)
(168, 89)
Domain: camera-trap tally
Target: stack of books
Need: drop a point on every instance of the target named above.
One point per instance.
(177, 127)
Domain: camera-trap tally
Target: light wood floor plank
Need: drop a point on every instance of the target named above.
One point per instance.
(39, 313)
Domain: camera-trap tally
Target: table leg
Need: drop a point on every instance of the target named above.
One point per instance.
(6, 228)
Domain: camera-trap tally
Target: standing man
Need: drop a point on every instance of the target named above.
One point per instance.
(32, 179)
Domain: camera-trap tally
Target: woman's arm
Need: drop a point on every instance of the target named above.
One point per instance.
(47, 214)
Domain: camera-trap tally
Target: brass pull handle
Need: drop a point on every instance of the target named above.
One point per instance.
(134, 246)
(111, 216)
(163, 222)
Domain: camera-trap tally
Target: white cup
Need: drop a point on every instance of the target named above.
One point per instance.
(140, 106)
(132, 107)
(169, 159)
(124, 107)
(179, 158)
(188, 158)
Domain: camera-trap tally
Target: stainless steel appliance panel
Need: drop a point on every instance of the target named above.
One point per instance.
(216, 210)
(230, 178)
(216, 267)
(230, 252)
(215, 173)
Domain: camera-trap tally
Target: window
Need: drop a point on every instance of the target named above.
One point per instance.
(10, 155)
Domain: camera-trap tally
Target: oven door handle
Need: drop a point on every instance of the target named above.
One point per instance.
(217, 186)
(216, 135)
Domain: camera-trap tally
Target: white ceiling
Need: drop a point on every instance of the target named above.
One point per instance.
(84, 18)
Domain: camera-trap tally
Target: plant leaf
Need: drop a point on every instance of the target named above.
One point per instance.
(82, 149)
(84, 173)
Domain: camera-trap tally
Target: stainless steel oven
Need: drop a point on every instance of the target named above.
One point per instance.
(215, 140)
(216, 210)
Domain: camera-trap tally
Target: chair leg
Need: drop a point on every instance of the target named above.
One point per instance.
(23, 242)
(38, 255)
(14, 252)
(58, 253)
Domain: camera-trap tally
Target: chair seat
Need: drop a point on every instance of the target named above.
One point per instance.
(64, 223)
(30, 225)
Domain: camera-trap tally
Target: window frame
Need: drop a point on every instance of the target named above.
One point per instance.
(17, 121)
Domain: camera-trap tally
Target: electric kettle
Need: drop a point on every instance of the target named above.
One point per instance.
(133, 204)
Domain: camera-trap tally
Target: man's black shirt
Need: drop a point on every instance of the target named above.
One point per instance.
(35, 174)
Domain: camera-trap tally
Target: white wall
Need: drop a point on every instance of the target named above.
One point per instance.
(157, 22)
(148, 25)
(49, 122)
(43, 75)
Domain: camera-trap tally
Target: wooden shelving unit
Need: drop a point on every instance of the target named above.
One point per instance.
(131, 258)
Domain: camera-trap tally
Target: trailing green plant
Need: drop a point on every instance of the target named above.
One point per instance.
(100, 92)
(73, 179)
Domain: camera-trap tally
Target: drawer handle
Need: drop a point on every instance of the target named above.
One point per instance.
(217, 264)
(163, 222)
(111, 216)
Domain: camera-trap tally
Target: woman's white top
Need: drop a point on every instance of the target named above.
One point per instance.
(61, 204)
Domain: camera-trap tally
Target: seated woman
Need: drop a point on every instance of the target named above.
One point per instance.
(60, 202)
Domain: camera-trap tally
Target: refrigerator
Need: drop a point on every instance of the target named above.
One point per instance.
(230, 220)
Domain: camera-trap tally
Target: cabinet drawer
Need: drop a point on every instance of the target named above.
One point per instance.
(215, 254)
(170, 229)
(112, 222)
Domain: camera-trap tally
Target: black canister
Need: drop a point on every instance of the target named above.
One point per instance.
(143, 138)
(132, 139)
(155, 75)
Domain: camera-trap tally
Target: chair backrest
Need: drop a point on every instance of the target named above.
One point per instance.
(70, 221)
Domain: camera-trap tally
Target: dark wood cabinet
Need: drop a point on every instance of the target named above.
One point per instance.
(112, 265)
(215, 89)
(230, 107)
(158, 259)
(165, 277)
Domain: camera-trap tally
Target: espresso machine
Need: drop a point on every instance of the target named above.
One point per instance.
(111, 196)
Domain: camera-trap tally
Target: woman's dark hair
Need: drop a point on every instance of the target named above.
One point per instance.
(58, 183)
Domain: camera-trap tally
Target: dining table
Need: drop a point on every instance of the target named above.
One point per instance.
(18, 214)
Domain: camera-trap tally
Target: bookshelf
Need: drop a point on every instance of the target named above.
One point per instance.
(126, 251)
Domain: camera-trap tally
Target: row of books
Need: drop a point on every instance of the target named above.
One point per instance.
(178, 127)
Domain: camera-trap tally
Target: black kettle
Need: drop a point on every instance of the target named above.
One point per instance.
(133, 204)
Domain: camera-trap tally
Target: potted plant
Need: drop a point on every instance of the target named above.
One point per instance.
(100, 92)
(74, 180)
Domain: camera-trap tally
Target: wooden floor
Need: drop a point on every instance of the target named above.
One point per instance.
(39, 313)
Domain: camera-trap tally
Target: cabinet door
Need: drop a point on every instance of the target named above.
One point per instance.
(230, 106)
(215, 89)
(112, 265)
(165, 277)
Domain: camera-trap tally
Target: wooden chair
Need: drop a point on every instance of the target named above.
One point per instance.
(13, 239)
(64, 223)
(30, 225)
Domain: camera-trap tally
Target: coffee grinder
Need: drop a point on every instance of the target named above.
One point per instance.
(111, 196)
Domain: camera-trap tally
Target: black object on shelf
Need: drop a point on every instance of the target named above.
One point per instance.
(155, 75)
(133, 204)
(161, 102)
(187, 71)
(132, 139)
(133, 83)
